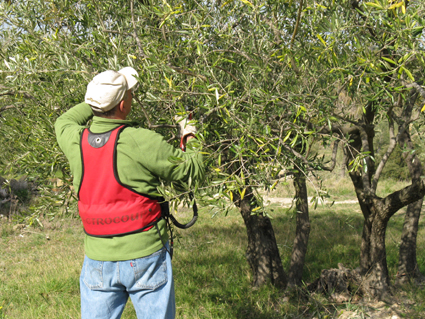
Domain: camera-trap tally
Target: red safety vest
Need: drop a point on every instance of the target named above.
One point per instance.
(107, 207)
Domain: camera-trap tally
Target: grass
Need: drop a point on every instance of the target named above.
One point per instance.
(39, 276)
(39, 268)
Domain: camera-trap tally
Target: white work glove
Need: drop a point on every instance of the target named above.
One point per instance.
(185, 127)
(185, 130)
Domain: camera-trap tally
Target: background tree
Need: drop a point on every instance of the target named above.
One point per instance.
(374, 50)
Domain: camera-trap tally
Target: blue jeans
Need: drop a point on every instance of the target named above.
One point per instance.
(106, 285)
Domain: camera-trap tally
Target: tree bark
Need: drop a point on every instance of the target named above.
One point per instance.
(365, 257)
(302, 232)
(373, 263)
(262, 251)
(343, 167)
(377, 212)
(373, 258)
(408, 268)
(377, 280)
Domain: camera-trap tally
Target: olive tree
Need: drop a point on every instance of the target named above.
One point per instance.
(372, 61)
(220, 60)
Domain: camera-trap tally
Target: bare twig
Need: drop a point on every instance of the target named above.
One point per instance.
(233, 51)
(163, 126)
(234, 77)
(13, 93)
(150, 125)
(300, 9)
(186, 72)
(4, 108)
(143, 110)
(307, 162)
(417, 87)
(98, 14)
(117, 32)
(139, 44)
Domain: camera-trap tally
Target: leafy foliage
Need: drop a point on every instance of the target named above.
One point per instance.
(226, 62)
(266, 80)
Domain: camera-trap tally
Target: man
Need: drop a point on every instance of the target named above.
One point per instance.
(116, 168)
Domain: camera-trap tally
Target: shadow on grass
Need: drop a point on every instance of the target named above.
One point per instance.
(213, 279)
(213, 276)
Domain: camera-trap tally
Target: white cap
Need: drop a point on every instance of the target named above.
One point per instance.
(107, 89)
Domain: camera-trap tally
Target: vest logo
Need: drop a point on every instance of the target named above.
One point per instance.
(115, 220)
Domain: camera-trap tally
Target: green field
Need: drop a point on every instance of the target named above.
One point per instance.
(39, 268)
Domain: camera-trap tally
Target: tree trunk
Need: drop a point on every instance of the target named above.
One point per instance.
(302, 232)
(408, 266)
(343, 167)
(373, 258)
(377, 280)
(378, 211)
(373, 262)
(262, 252)
(365, 258)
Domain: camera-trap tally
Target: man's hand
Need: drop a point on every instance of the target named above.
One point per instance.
(186, 130)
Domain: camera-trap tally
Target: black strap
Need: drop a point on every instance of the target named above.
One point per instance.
(171, 251)
(165, 213)
(165, 209)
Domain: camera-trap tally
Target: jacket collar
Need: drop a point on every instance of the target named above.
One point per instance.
(100, 124)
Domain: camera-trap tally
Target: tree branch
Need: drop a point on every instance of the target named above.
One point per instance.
(139, 44)
(186, 72)
(404, 197)
(417, 87)
(234, 77)
(390, 149)
(4, 108)
(297, 23)
(333, 158)
(12, 93)
(150, 125)
(365, 175)
(233, 51)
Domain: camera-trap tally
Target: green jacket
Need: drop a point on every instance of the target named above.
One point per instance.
(142, 160)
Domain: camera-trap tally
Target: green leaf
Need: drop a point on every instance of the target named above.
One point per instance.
(408, 73)
(321, 40)
(175, 160)
(243, 193)
(372, 4)
(389, 60)
(247, 3)
(396, 5)
(287, 136)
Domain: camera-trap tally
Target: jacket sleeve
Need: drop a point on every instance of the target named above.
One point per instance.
(68, 128)
(167, 162)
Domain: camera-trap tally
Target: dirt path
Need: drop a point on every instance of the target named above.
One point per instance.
(288, 202)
